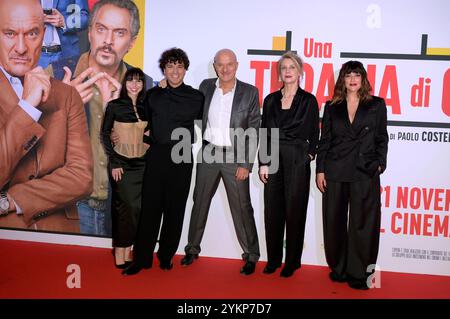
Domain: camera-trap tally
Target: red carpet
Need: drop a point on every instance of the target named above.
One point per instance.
(37, 270)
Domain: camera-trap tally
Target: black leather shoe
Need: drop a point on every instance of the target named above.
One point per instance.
(249, 268)
(357, 284)
(188, 259)
(166, 265)
(336, 278)
(288, 271)
(133, 269)
(269, 269)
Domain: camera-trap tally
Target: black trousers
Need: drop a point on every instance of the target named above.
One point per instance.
(165, 192)
(351, 226)
(286, 197)
(126, 202)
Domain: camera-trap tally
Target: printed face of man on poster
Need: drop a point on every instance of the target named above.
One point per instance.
(21, 37)
(111, 35)
(45, 156)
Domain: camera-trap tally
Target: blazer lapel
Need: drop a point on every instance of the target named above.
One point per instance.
(208, 98)
(49, 108)
(276, 109)
(236, 101)
(360, 115)
(9, 99)
(343, 112)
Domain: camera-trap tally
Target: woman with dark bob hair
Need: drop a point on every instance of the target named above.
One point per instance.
(351, 156)
(127, 118)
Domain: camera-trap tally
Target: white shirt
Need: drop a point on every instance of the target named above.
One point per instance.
(218, 125)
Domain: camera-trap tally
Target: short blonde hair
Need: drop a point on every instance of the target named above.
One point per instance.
(295, 58)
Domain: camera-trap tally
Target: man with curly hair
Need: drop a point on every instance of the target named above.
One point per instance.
(166, 179)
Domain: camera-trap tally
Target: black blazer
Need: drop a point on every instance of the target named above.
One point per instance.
(352, 152)
(303, 126)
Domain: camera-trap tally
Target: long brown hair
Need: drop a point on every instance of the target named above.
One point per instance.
(340, 92)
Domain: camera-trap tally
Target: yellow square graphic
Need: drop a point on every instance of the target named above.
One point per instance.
(279, 43)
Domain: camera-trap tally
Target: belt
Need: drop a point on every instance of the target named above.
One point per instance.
(96, 204)
(51, 49)
(217, 147)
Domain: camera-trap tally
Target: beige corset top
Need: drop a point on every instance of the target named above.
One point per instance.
(130, 139)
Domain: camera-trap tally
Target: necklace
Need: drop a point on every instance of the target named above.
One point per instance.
(286, 96)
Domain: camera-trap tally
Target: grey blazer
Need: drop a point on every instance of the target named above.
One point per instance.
(245, 113)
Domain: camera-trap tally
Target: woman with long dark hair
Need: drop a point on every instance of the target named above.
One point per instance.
(350, 158)
(126, 117)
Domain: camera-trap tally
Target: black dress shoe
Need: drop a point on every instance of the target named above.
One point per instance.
(166, 265)
(358, 284)
(188, 259)
(249, 268)
(133, 269)
(288, 271)
(336, 278)
(269, 269)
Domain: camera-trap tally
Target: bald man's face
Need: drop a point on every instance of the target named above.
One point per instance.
(21, 33)
(226, 66)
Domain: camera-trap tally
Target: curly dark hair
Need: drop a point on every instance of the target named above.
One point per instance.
(173, 55)
(340, 92)
(130, 75)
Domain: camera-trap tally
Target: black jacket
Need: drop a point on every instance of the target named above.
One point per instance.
(353, 152)
(302, 125)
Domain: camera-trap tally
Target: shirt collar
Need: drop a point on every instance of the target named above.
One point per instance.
(11, 79)
(232, 90)
(15, 83)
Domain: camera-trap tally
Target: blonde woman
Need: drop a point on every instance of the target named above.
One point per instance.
(294, 112)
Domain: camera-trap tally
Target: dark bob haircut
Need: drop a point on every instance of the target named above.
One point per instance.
(173, 55)
(130, 75)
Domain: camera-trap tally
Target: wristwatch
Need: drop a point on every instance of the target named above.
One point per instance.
(4, 204)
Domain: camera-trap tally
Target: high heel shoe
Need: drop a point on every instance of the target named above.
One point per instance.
(122, 266)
